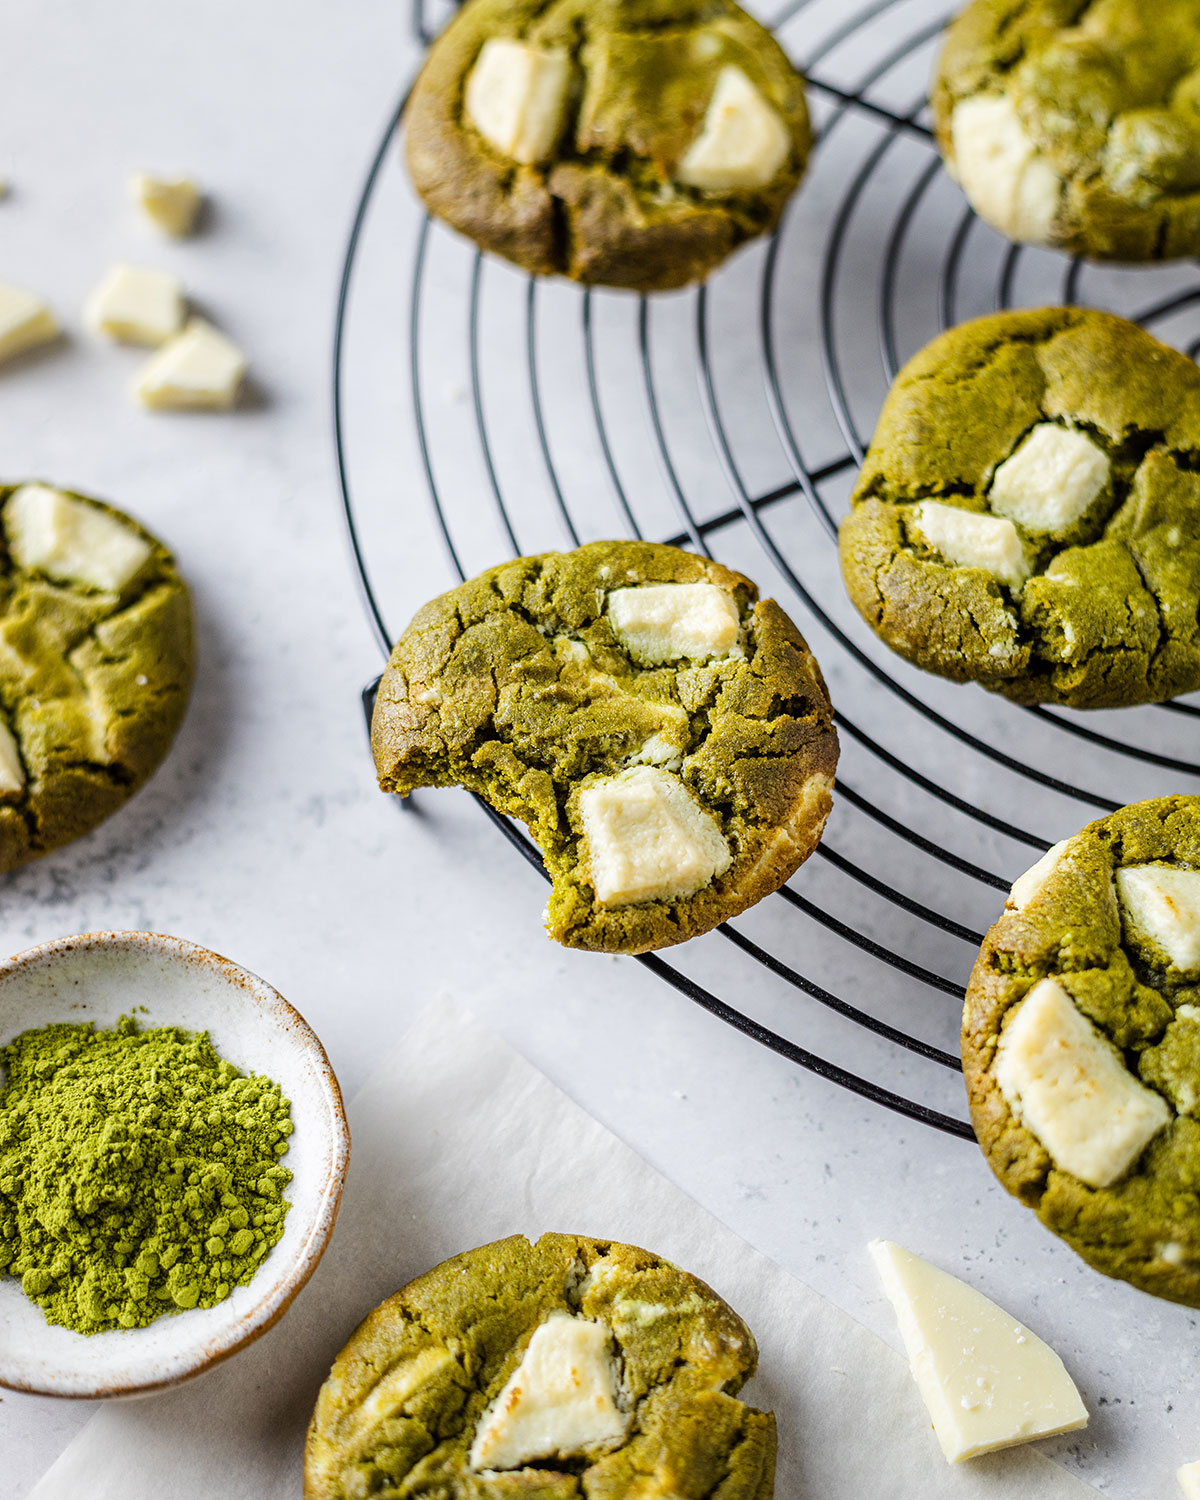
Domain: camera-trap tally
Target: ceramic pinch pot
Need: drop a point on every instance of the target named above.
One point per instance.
(99, 977)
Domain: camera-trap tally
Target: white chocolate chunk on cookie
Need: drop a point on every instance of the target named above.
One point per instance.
(969, 539)
(25, 321)
(70, 540)
(743, 140)
(1025, 887)
(663, 622)
(648, 838)
(661, 749)
(1051, 479)
(1069, 1085)
(1006, 180)
(516, 97)
(986, 1380)
(12, 772)
(1161, 904)
(1189, 1480)
(172, 204)
(559, 1402)
(199, 369)
(136, 305)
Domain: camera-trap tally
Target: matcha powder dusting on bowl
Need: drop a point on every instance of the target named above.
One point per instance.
(139, 1172)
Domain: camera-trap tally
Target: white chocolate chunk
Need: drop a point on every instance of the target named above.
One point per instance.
(971, 540)
(1006, 180)
(198, 369)
(172, 204)
(1025, 887)
(12, 772)
(648, 838)
(1161, 903)
(70, 540)
(743, 140)
(136, 305)
(516, 97)
(658, 750)
(560, 1401)
(1069, 1085)
(25, 321)
(987, 1381)
(669, 621)
(1189, 1480)
(1051, 480)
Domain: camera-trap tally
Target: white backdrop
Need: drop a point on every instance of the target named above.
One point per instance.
(264, 837)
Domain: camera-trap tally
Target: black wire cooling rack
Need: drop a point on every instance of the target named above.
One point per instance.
(731, 419)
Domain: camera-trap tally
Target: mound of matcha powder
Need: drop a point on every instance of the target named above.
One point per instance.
(139, 1173)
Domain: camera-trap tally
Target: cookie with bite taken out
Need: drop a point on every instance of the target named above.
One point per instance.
(664, 733)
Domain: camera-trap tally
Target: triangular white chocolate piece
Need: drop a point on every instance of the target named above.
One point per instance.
(559, 1401)
(987, 1381)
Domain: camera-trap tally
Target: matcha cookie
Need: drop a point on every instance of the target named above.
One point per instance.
(95, 665)
(1028, 515)
(665, 734)
(1081, 1044)
(1077, 126)
(633, 143)
(560, 1369)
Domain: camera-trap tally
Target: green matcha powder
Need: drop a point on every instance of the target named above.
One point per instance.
(139, 1172)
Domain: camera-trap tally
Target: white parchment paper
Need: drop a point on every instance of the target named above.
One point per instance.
(457, 1141)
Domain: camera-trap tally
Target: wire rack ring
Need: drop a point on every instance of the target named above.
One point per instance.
(733, 418)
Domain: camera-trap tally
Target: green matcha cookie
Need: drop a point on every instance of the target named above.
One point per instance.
(1028, 515)
(567, 1368)
(1077, 126)
(95, 665)
(665, 734)
(633, 143)
(1081, 1044)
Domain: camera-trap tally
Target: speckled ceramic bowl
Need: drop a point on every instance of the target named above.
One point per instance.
(100, 976)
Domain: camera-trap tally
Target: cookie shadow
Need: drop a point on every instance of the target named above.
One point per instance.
(28, 359)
